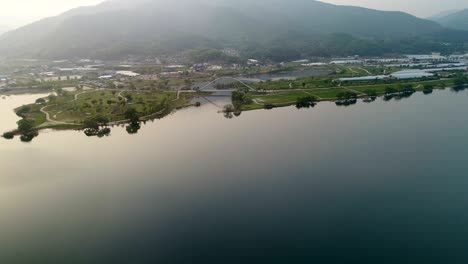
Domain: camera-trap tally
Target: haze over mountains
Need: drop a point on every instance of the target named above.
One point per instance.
(456, 20)
(275, 29)
(442, 14)
(4, 28)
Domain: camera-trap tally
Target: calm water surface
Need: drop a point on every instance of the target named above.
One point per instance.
(385, 182)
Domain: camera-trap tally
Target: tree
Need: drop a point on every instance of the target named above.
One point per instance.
(390, 90)
(228, 111)
(40, 101)
(91, 123)
(306, 102)
(92, 126)
(101, 120)
(133, 128)
(460, 80)
(8, 135)
(241, 97)
(132, 115)
(25, 126)
(24, 110)
(228, 108)
(428, 88)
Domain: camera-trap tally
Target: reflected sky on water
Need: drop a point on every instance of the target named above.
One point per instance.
(383, 182)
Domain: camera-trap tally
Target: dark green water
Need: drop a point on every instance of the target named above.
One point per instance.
(385, 182)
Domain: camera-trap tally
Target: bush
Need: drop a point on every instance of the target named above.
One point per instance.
(228, 108)
(25, 126)
(40, 101)
(241, 97)
(8, 135)
(132, 115)
(428, 89)
(28, 137)
(91, 123)
(390, 90)
(306, 102)
(24, 110)
(91, 132)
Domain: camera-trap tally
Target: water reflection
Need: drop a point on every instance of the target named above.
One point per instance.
(307, 186)
(229, 112)
(459, 88)
(133, 128)
(346, 103)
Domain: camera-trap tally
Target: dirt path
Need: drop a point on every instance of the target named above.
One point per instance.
(76, 97)
(368, 72)
(352, 70)
(55, 122)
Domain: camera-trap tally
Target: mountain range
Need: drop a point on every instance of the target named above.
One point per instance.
(456, 20)
(275, 29)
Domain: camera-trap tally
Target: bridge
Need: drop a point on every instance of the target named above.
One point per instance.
(205, 87)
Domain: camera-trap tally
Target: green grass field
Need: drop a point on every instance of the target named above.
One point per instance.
(285, 98)
(111, 104)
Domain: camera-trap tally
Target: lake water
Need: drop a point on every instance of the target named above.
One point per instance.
(385, 182)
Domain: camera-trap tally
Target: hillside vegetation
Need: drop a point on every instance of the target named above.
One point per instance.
(274, 29)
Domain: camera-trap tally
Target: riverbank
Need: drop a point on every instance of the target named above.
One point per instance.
(74, 110)
(268, 99)
(21, 91)
(84, 108)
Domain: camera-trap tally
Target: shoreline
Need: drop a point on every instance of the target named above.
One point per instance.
(37, 111)
(70, 105)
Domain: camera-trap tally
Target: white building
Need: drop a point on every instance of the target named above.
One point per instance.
(105, 77)
(252, 62)
(314, 64)
(427, 57)
(128, 73)
(346, 62)
(400, 75)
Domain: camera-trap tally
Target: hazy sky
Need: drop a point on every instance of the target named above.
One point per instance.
(421, 8)
(16, 12)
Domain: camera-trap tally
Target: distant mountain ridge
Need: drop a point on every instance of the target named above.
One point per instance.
(457, 20)
(443, 14)
(117, 28)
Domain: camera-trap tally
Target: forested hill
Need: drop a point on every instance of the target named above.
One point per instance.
(276, 29)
